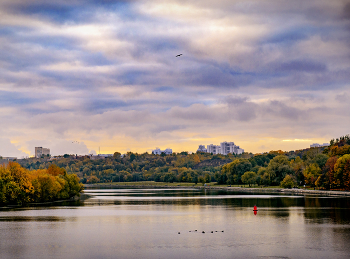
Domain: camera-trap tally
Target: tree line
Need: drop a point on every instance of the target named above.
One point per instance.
(322, 167)
(20, 186)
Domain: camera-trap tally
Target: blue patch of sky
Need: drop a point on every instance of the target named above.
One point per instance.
(7, 31)
(287, 36)
(216, 76)
(57, 12)
(295, 34)
(53, 42)
(96, 59)
(164, 89)
(27, 61)
(44, 110)
(60, 13)
(304, 65)
(75, 12)
(102, 105)
(71, 80)
(16, 99)
(160, 43)
(134, 77)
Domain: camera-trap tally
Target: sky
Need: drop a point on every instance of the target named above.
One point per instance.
(90, 76)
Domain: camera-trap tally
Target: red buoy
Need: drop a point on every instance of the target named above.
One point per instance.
(255, 208)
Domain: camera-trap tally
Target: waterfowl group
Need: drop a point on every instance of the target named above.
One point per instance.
(203, 232)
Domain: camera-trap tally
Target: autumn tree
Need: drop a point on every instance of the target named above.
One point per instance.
(342, 172)
(329, 171)
(311, 174)
(298, 167)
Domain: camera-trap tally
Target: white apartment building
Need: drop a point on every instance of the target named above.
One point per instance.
(215, 149)
(224, 148)
(227, 147)
(39, 151)
(319, 145)
(157, 151)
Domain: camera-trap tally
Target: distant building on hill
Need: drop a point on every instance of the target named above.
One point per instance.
(215, 149)
(39, 151)
(5, 160)
(224, 148)
(319, 145)
(157, 151)
(100, 156)
(202, 149)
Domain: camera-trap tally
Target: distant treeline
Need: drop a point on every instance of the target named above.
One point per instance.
(20, 186)
(324, 167)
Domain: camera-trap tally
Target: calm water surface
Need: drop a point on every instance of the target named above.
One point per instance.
(145, 223)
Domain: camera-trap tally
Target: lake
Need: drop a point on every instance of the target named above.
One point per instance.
(168, 223)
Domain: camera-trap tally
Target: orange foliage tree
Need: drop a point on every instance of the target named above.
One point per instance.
(20, 186)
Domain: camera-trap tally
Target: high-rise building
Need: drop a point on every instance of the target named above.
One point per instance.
(215, 149)
(39, 151)
(224, 148)
(227, 147)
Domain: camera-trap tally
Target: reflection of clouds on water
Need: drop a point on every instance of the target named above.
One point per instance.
(147, 226)
(117, 197)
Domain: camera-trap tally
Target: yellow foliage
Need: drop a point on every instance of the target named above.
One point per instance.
(20, 186)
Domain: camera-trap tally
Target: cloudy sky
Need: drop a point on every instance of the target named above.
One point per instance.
(77, 75)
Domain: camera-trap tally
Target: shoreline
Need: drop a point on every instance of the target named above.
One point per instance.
(326, 193)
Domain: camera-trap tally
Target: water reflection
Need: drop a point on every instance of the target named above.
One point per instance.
(144, 223)
(26, 218)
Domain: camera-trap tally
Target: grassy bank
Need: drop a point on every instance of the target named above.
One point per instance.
(236, 188)
(175, 184)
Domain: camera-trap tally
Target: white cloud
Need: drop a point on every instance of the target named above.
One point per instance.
(106, 77)
(8, 149)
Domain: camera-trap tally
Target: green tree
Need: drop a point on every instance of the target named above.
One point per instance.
(278, 168)
(207, 178)
(288, 182)
(249, 178)
(236, 169)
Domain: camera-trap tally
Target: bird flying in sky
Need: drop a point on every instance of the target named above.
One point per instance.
(178, 55)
